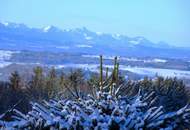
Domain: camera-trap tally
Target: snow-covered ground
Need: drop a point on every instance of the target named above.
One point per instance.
(137, 70)
(4, 64)
(156, 60)
(90, 67)
(83, 46)
(5, 56)
(157, 71)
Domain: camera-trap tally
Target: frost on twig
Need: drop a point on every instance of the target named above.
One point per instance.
(103, 112)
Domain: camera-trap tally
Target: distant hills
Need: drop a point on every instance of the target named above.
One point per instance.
(81, 40)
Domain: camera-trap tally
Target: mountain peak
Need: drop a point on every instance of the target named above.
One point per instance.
(81, 30)
(46, 29)
(4, 23)
(116, 36)
(50, 28)
(80, 35)
(99, 33)
(12, 25)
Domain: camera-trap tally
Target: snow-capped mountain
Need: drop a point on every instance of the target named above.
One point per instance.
(50, 38)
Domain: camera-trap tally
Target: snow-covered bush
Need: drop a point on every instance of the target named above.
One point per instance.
(104, 111)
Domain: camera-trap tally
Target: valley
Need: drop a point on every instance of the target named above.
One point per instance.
(23, 48)
(132, 67)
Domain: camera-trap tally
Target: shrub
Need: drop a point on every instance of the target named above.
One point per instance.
(103, 112)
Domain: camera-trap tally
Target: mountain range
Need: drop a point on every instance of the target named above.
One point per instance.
(15, 36)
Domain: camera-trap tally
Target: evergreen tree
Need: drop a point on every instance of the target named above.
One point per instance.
(15, 80)
(52, 84)
(37, 88)
(76, 81)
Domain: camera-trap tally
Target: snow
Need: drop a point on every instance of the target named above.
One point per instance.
(46, 29)
(116, 36)
(131, 59)
(99, 33)
(87, 37)
(5, 56)
(138, 70)
(148, 71)
(4, 64)
(97, 56)
(134, 42)
(5, 23)
(83, 46)
(157, 71)
(33, 63)
(160, 60)
(91, 67)
(62, 47)
(67, 30)
(102, 112)
(91, 56)
(156, 60)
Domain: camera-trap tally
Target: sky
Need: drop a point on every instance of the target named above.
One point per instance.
(156, 20)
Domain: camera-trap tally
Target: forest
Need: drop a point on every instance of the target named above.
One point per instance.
(102, 101)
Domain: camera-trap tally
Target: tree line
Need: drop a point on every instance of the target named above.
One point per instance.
(171, 92)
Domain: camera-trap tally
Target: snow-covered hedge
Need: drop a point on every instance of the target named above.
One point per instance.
(101, 112)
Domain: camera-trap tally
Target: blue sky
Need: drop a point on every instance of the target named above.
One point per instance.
(157, 20)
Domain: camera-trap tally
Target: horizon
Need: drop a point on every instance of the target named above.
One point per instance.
(66, 29)
(132, 19)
